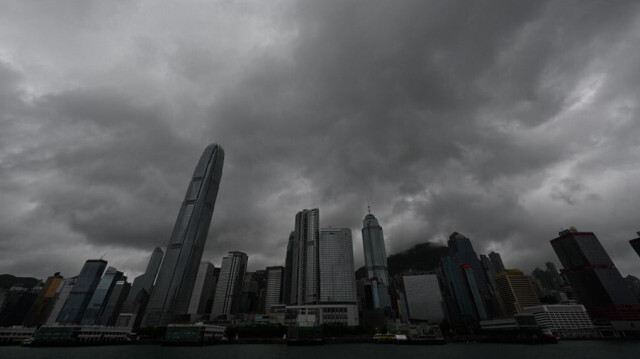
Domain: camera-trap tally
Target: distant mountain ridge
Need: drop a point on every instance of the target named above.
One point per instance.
(8, 280)
(423, 257)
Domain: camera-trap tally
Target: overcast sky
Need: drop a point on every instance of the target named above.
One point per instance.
(506, 121)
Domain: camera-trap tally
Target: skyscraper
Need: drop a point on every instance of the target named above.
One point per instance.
(516, 290)
(61, 300)
(144, 281)
(229, 286)
(596, 281)
(302, 256)
(172, 292)
(287, 296)
(461, 292)
(45, 301)
(375, 254)
(274, 287)
(203, 289)
(496, 261)
(114, 303)
(461, 250)
(337, 274)
(82, 291)
(136, 303)
(100, 296)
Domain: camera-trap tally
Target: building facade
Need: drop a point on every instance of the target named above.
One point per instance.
(565, 321)
(136, 302)
(203, 289)
(596, 281)
(517, 291)
(82, 291)
(172, 291)
(337, 273)
(302, 258)
(229, 286)
(424, 298)
(101, 295)
(375, 253)
(275, 276)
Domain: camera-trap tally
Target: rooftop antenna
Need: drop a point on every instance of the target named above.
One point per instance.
(369, 208)
(102, 256)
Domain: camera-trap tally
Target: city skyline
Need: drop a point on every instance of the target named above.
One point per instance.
(506, 122)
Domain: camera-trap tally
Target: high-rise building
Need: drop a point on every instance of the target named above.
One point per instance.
(101, 295)
(203, 289)
(635, 243)
(302, 259)
(136, 303)
(82, 291)
(144, 282)
(375, 254)
(461, 250)
(45, 301)
(517, 291)
(287, 295)
(337, 274)
(252, 292)
(61, 299)
(596, 281)
(496, 260)
(229, 287)
(424, 298)
(114, 302)
(274, 287)
(463, 299)
(172, 291)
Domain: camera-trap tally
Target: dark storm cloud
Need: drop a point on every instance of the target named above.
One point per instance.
(505, 121)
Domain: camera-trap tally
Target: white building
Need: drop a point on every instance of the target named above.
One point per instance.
(424, 298)
(319, 314)
(563, 320)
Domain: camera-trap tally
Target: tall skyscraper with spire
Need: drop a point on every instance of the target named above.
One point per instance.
(172, 292)
(375, 254)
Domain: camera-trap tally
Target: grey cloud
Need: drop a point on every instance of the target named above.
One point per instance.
(444, 116)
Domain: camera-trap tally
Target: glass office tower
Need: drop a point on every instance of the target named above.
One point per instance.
(172, 292)
(375, 254)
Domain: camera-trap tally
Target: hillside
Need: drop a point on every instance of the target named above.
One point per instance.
(419, 258)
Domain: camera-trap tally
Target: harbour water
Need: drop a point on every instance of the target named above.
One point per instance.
(563, 350)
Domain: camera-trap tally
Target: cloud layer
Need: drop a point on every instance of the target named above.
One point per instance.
(503, 121)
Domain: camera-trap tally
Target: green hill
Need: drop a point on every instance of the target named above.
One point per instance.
(422, 257)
